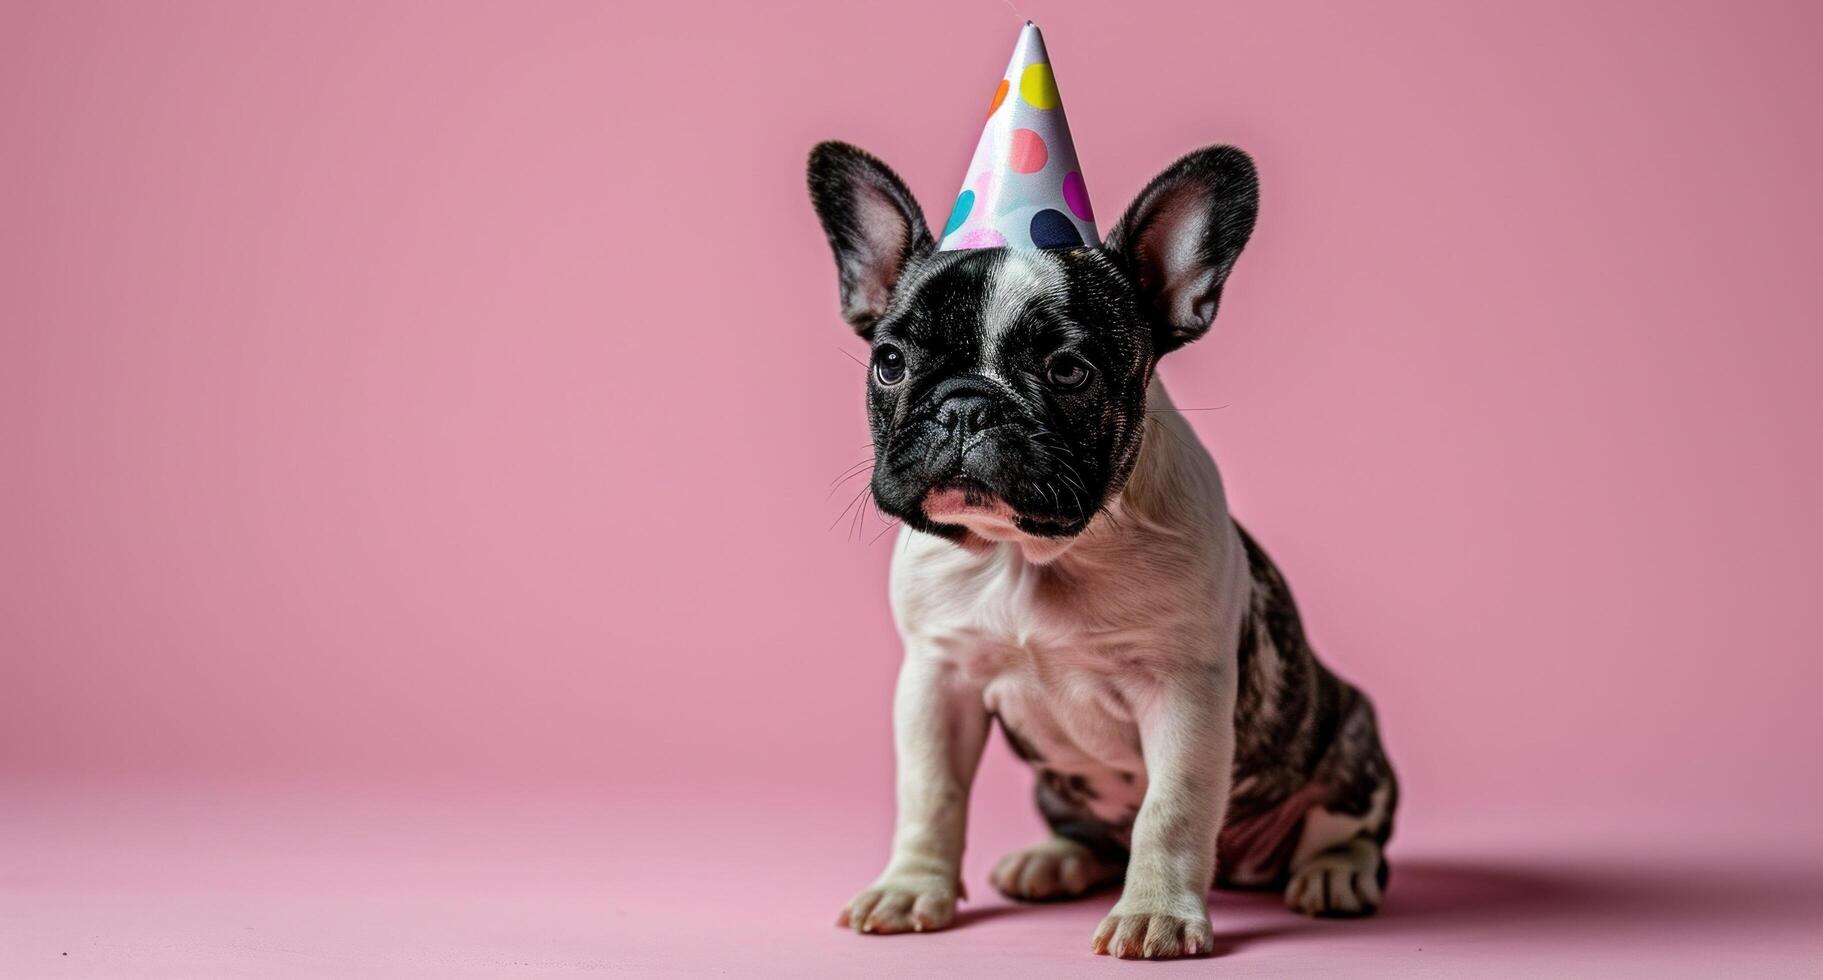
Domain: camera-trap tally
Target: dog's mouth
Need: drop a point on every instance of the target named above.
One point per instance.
(951, 501)
(976, 507)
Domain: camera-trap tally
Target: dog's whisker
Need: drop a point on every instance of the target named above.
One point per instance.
(862, 462)
(858, 526)
(847, 473)
(890, 525)
(845, 510)
(834, 489)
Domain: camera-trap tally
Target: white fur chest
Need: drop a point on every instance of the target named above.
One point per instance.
(1059, 655)
(981, 609)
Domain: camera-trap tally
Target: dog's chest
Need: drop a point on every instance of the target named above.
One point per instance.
(1057, 675)
(1076, 731)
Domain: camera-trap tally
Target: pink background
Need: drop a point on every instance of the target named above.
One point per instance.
(416, 548)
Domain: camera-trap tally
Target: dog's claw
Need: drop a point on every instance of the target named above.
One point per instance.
(1154, 934)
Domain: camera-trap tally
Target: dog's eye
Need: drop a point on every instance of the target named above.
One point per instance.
(1066, 371)
(889, 364)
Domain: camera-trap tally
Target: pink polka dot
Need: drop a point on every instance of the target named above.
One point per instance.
(981, 238)
(1029, 153)
(1076, 195)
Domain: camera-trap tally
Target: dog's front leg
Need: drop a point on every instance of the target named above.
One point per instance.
(939, 728)
(1186, 730)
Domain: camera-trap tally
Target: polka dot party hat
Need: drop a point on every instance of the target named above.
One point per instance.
(1024, 188)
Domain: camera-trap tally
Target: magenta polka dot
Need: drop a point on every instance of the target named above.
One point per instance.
(1076, 195)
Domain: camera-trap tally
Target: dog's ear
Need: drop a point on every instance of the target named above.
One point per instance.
(1180, 237)
(874, 227)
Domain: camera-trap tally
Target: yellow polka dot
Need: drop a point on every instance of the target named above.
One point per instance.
(1037, 86)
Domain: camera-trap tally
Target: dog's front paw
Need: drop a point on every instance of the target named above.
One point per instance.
(1156, 929)
(903, 902)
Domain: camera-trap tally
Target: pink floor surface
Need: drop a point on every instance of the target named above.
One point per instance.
(134, 880)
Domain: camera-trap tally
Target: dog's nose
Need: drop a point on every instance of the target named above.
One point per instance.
(964, 413)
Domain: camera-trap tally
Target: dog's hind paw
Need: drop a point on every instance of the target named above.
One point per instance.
(1344, 881)
(1055, 869)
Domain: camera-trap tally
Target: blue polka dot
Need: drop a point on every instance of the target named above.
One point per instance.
(965, 202)
(1050, 229)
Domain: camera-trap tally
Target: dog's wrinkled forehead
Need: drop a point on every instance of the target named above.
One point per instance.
(992, 300)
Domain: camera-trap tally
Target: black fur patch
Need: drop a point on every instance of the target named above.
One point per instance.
(977, 409)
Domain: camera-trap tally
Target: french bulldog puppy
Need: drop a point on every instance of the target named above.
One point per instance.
(1068, 568)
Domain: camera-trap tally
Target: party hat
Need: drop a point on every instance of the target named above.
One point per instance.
(1024, 187)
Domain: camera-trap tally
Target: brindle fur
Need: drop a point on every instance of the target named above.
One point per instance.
(1305, 739)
